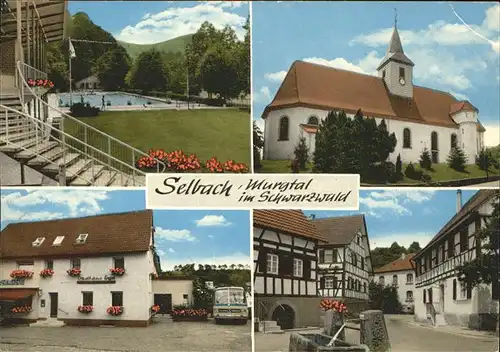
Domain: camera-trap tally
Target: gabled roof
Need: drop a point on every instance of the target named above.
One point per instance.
(109, 233)
(327, 88)
(475, 202)
(399, 264)
(292, 222)
(339, 230)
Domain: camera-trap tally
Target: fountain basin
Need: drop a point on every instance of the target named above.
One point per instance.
(301, 342)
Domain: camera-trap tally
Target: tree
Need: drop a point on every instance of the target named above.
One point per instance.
(399, 168)
(414, 247)
(202, 296)
(385, 298)
(112, 67)
(457, 159)
(483, 160)
(484, 268)
(425, 159)
(301, 153)
(148, 73)
(258, 144)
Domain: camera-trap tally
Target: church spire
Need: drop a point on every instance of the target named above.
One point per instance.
(395, 45)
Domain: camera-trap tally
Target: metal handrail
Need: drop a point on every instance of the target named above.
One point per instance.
(160, 166)
(35, 122)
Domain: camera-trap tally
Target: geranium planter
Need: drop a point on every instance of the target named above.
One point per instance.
(46, 273)
(21, 310)
(155, 309)
(334, 317)
(86, 309)
(40, 83)
(114, 310)
(189, 314)
(117, 271)
(21, 274)
(74, 272)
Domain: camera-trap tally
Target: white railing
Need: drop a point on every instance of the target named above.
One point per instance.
(29, 72)
(31, 128)
(98, 145)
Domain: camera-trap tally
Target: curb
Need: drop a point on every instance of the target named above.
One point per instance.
(460, 333)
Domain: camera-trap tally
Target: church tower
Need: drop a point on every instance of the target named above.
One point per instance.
(396, 68)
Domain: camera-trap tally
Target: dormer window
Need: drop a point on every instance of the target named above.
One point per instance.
(82, 238)
(38, 242)
(58, 241)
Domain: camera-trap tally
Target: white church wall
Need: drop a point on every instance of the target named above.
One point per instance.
(420, 136)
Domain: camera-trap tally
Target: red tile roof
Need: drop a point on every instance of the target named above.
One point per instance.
(340, 229)
(399, 264)
(109, 233)
(293, 222)
(327, 88)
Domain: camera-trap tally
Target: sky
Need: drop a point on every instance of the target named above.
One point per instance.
(182, 236)
(149, 22)
(403, 216)
(354, 36)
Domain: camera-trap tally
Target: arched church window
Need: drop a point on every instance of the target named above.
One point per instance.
(283, 128)
(313, 120)
(434, 147)
(453, 140)
(406, 138)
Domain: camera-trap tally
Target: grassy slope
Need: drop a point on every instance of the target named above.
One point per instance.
(173, 45)
(223, 133)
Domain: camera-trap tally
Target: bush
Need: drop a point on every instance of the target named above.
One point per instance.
(483, 160)
(457, 159)
(382, 172)
(84, 110)
(412, 173)
(425, 159)
(301, 153)
(399, 169)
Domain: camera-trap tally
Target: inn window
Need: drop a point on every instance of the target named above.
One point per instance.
(328, 255)
(117, 299)
(330, 282)
(283, 128)
(272, 263)
(394, 280)
(49, 264)
(381, 280)
(87, 298)
(409, 279)
(464, 240)
(298, 267)
(409, 296)
(313, 120)
(119, 263)
(406, 138)
(451, 247)
(76, 263)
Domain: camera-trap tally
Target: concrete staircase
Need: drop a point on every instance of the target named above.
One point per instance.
(48, 323)
(270, 327)
(31, 143)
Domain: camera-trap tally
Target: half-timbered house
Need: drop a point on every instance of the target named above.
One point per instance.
(344, 266)
(440, 298)
(285, 264)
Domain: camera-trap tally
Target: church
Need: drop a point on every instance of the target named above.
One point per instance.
(420, 117)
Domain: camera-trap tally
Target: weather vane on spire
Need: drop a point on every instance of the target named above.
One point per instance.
(395, 17)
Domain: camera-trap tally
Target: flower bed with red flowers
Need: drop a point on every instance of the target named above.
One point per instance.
(43, 83)
(46, 273)
(22, 309)
(178, 161)
(189, 314)
(153, 276)
(85, 309)
(21, 274)
(332, 304)
(155, 309)
(117, 271)
(74, 272)
(115, 310)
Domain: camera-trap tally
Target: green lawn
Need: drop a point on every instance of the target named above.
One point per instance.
(440, 172)
(223, 133)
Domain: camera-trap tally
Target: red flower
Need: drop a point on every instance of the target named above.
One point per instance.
(117, 271)
(85, 309)
(21, 274)
(46, 272)
(22, 309)
(331, 304)
(214, 165)
(74, 272)
(114, 310)
(155, 308)
(189, 312)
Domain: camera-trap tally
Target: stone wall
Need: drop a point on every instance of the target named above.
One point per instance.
(307, 311)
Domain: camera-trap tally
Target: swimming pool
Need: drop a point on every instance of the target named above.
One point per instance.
(110, 99)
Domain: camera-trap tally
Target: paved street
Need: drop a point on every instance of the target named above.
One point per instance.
(162, 336)
(404, 335)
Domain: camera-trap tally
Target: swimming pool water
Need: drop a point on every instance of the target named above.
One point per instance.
(110, 99)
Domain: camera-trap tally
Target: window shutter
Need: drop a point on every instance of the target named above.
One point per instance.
(306, 268)
(425, 296)
(469, 291)
(321, 255)
(454, 289)
(262, 260)
(322, 282)
(285, 266)
(430, 295)
(495, 288)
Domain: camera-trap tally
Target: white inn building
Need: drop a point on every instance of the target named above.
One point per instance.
(420, 117)
(344, 262)
(440, 299)
(92, 247)
(285, 268)
(400, 274)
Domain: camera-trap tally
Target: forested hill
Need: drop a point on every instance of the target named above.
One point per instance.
(175, 45)
(383, 255)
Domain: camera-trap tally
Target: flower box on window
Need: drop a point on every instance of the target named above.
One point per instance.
(21, 309)
(115, 310)
(332, 304)
(21, 274)
(85, 309)
(189, 314)
(155, 309)
(117, 271)
(74, 272)
(42, 83)
(46, 273)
